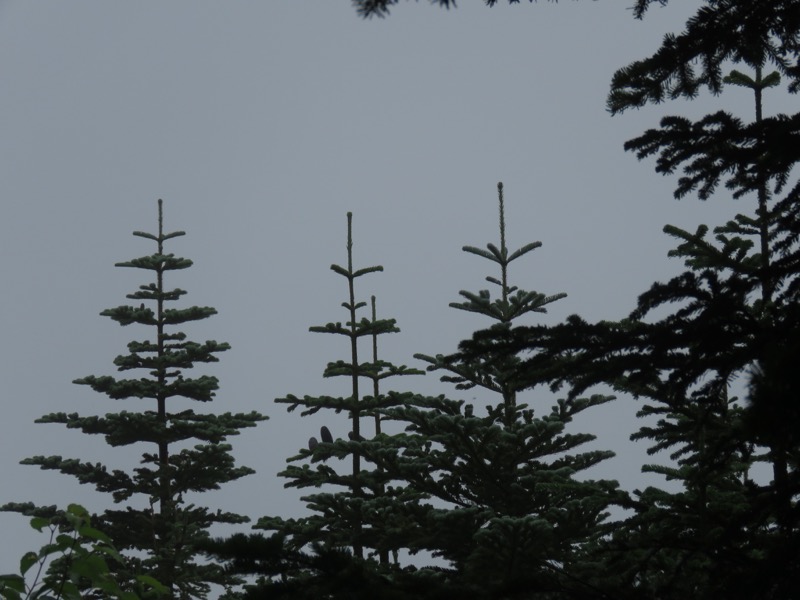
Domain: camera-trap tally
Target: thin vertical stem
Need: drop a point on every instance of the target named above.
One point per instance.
(376, 392)
(763, 211)
(357, 549)
(778, 445)
(509, 396)
(375, 383)
(503, 250)
(165, 493)
(163, 454)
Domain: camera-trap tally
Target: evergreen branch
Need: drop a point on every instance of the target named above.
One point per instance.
(721, 147)
(719, 33)
(362, 328)
(157, 262)
(350, 275)
(492, 254)
(524, 250)
(118, 483)
(148, 236)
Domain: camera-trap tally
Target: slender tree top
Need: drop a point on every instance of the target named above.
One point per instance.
(513, 302)
(161, 238)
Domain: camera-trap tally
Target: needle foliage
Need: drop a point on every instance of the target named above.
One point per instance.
(155, 518)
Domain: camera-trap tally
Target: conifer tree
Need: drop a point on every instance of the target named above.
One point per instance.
(512, 514)
(186, 450)
(726, 533)
(336, 552)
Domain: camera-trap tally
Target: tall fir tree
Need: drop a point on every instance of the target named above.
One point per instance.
(349, 544)
(726, 532)
(512, 513)
(158, 522)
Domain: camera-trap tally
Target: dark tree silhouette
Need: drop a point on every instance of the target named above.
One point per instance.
(188, 450)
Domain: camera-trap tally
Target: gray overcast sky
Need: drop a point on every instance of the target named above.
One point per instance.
(261, 124)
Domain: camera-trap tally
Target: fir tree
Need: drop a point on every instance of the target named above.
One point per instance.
(513, 515)
(187, 450)
(740, 298)
(724, 534)
(344, 548)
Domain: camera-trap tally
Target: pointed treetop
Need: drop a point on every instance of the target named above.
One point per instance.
(349, 273)
(502, 219)
(507, 307)
(161, 238)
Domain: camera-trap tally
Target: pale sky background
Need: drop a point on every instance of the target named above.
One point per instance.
(260, 124)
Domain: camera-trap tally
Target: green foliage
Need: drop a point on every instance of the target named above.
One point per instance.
(496, 491)
(513, 515)
(187, 453)
(363, 514)
(352, 517)
(719, 33)
(730, 316)
(497, 498)
(73, 564)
